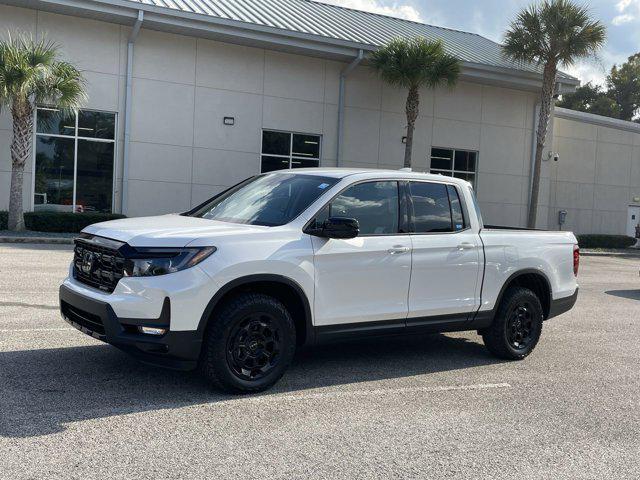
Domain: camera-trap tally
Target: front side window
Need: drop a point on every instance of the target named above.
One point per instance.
(374, 204)
(284, 150)
(454, 163)
(269, 200)
(74, 161)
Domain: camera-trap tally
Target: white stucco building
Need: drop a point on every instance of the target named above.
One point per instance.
(187, 98)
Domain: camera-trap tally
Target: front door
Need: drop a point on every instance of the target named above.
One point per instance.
(364, 279)
(633, 222)
(446, 275)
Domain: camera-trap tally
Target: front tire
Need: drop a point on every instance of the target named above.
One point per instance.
(249, 344)
(517, 326)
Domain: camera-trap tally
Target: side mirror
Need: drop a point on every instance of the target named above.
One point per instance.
(340, 227)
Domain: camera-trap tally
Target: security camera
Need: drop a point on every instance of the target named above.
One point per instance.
(554, 156)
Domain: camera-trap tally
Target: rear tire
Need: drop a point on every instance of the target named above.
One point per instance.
(249, 344)
(517, 326)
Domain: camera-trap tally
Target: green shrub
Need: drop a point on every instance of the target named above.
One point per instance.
(605, 241)
(59, 221)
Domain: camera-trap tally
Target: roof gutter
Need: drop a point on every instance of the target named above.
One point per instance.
(261, 36)
(127, 112)
(343, 78)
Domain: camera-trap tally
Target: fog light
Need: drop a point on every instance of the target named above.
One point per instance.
(152, 330)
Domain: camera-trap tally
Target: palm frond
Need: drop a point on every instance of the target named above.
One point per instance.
(558, 31)
(31, 71)
(416, 62)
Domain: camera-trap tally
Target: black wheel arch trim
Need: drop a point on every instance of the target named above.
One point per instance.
(488, 315)
(260, 278)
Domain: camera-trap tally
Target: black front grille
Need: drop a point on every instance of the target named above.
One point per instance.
(84, 319)
(98, 266)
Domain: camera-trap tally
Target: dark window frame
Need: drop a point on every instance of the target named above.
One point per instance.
(76, 137)
(291, 157)
(451, 172)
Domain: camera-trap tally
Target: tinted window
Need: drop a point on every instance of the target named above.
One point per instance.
(373, 204)
(430, 207)
(306, 146)
(454, 163)
(284, 150)
(276, 143)
(74, 167)
(270, 200)
(94, 176)
(53, 120)
(96, 124)
(456, 208)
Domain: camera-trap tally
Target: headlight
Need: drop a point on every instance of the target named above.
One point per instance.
(149, 262)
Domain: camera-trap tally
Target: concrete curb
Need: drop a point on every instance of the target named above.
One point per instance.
(41, 240)
(586, 253)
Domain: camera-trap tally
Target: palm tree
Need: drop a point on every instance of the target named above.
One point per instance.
(31, 73)
(551, 34)
(413, 64)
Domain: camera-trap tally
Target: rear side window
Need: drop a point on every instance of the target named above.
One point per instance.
(431, 210)
(456, 209)
(374, 204)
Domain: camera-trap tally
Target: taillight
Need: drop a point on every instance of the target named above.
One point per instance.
(576, 259)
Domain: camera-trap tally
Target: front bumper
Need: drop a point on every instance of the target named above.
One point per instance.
(175, 349)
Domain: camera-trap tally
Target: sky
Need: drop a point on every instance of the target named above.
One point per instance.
(491, 18)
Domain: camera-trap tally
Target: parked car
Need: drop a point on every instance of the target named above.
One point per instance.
(296, 257)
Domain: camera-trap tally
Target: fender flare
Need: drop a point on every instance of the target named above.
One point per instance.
(486, 316)
(272, 278)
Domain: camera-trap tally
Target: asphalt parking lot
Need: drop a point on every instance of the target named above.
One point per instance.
(426, 407)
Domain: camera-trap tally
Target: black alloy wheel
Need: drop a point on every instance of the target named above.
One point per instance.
(249, 343)
(517, 325)
(253, 348)
(520, 326)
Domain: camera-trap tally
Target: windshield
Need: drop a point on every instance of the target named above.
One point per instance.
(271, 200)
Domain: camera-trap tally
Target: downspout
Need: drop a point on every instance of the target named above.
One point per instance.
(343, 77)
(127, 112)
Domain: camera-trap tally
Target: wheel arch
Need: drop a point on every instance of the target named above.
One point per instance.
(288, 291)
(533, 279)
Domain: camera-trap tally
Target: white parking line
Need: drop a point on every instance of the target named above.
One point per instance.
(368, 393)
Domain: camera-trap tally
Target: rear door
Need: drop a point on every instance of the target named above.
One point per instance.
(446, 268)
(364, 279)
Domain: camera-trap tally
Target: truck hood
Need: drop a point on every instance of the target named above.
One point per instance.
(167, 230)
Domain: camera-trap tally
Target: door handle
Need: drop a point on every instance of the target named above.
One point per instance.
(398, 249)
(466, 246)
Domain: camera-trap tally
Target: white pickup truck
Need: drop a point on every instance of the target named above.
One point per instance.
(296, 257)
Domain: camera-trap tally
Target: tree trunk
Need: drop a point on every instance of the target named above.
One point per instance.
(546, 99)
(22, 113)
(413, 107)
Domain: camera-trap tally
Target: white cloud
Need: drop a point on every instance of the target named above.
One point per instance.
(624, 18)
(587, 72)
(622, 5)
(393, 9)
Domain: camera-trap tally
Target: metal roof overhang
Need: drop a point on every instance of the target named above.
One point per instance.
(163, 19)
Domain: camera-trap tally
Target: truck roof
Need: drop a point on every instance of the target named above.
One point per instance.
(373, 173)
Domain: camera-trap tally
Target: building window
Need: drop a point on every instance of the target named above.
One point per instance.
(74, 161)
(283, 150)
(455, 163)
